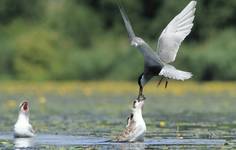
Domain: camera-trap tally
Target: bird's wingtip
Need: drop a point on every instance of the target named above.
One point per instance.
(194, 2)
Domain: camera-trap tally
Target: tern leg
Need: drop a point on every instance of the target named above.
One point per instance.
(160, 81)
(166, 83)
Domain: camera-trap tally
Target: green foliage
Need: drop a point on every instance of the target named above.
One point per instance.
(214, 59)
(77, 22)
(12, 9)
(33, 53)
(34, 57)
(87, 40)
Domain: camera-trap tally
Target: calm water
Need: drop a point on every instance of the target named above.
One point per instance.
(80, 120)
(54, 141)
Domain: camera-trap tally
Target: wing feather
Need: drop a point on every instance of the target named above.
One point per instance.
(127, 133)
(186, 22)
(126, 22)
(175, 32)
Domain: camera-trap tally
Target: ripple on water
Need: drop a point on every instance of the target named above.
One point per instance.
(84, 141)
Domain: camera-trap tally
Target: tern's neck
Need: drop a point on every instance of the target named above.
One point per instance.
(143, 81)
(23, 117)
(137, 113)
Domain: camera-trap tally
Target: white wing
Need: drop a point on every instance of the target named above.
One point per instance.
(175, 32)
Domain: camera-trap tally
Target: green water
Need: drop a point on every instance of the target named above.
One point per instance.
(168, 118)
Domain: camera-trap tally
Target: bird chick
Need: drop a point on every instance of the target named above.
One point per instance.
(136, 127)
(22, 127)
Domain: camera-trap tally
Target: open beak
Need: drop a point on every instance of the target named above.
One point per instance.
(24, 106)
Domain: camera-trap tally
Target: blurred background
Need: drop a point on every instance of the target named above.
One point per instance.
(84, 44)
(86, 39)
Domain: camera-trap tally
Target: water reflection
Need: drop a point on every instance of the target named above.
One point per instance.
(126, 146)
(23, 143)
(82, 142)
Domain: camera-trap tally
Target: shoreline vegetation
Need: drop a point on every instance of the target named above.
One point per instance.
(86, 39)
(117, 87)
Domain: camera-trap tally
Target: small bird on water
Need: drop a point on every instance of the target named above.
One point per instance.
(22, 127)
(136, 127)
(157, 62)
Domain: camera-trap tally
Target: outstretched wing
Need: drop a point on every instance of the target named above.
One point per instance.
(150, 56)
(175, 32)
(127, 23)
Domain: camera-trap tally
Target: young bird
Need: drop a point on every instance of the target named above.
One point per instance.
(22, 127)
(136, 127)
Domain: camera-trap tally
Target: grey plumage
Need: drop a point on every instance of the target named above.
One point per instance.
(156, 62)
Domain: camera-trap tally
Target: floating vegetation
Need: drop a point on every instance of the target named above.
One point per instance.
(186, 110)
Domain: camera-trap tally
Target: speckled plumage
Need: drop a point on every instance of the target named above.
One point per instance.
(136, 127)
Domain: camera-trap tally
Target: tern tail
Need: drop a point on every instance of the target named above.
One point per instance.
(171, 72)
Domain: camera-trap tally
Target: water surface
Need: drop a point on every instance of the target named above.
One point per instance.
(44, 140)
(79, 117)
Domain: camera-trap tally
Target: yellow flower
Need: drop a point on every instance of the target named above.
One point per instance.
(162, 124)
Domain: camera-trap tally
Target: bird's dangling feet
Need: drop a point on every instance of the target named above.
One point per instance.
(166, 84)
(161, 81)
